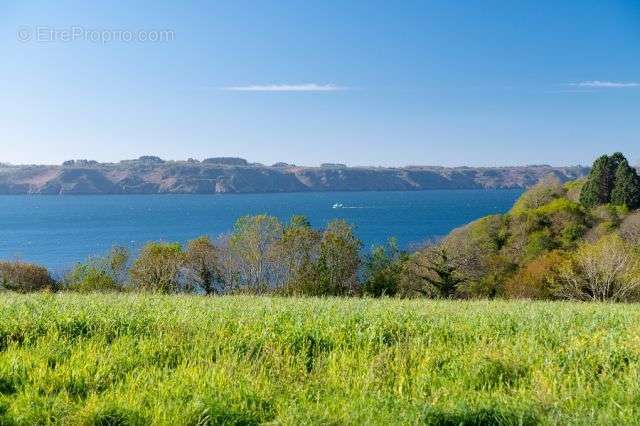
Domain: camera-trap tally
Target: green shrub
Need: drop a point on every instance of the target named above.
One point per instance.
(382, 270)
(571, 234)
(432, 272)
(540, 194)
(573, 189)
(606, 213)
(86, 278)
(158, 268)
(539, 242)
(106, 273)
(559, 205)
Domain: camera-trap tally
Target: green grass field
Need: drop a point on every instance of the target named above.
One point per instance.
(128, 359)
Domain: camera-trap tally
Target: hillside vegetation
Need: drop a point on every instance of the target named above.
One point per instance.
(575, 241)
(152, 175)
(143, 359)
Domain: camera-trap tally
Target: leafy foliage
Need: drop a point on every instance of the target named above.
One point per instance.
(251, 248)
(108, 273)
(158, 267)
(537, 279)
(297, 254)
(339, 259)
(25, 277)
(606, 270)
(433, 272)
(383, 269)
(202, 266)
(542, 193)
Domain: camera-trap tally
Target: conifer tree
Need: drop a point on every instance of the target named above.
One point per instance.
(626, 190)
(597, 189)
(611, 180)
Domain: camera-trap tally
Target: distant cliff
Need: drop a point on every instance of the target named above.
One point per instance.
(152, 175)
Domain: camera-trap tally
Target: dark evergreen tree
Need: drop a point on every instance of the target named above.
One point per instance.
(597, 189)
(611, 180)
(626, 189)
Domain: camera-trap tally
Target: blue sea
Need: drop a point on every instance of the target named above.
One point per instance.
(58, 231)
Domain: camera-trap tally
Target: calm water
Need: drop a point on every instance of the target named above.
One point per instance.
(60, 230)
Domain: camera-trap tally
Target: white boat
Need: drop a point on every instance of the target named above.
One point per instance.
(337, 205)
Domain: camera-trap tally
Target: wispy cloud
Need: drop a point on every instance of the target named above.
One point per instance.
(606, 84)
(306, 87)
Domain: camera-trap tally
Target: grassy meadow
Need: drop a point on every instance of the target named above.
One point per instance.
(140, 359)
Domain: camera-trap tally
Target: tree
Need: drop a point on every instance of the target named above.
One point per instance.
(107, 273)
(611, 180)
(158, 268)
(471, 247)
(202, 269)
(296, 257)
(608, 270)
(626, 189)
(597, 188)
(432, 272)
(339, 259)
(383, 270)
(25, 277)
(251, 251)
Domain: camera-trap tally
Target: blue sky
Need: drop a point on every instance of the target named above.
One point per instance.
(365, 83)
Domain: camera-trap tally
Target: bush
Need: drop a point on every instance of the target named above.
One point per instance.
(25, 277)
(106, 273)
(537, 279)
(158, 268)
(469, 248)
(606, 213)
(573, 189)
(608, 270)
(630, 228)
(539, 242)
(382, 270)
(545, 191)
(571, 234)
(497, 270)
(557, 215)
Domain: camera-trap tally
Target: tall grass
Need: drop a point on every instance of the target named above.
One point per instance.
(140, 359)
